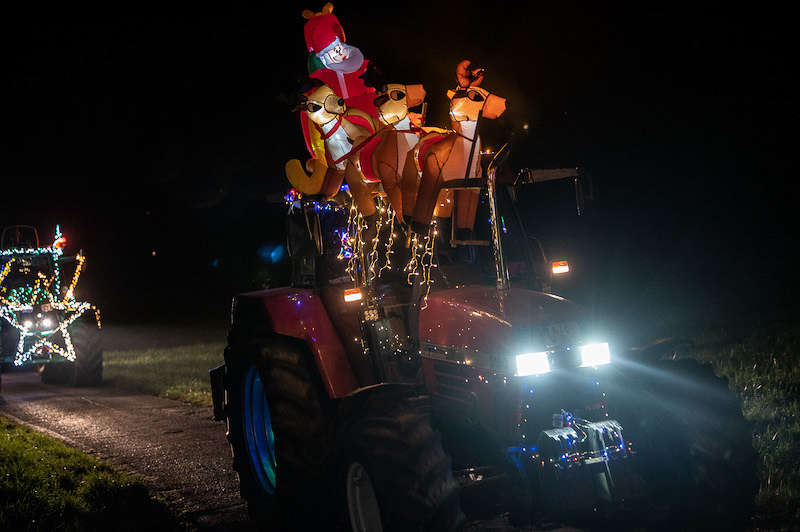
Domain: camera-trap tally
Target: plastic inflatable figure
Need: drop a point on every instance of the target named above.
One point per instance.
(342, 131)
(361, 150)
(456, 155)
(390, 159)
(335, 62)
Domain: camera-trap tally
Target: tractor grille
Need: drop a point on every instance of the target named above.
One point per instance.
(453, 383)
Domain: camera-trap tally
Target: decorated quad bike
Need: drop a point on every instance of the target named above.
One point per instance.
(419, 370)
(41, 321)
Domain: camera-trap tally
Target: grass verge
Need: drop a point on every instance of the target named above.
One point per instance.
(176, 372)
(763, 366)
(46, 485)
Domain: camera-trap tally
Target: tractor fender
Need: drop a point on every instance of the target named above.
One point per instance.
(360, 394)
(300, 314)
(351, 406)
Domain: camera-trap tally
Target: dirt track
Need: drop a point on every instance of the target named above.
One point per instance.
(176, 448)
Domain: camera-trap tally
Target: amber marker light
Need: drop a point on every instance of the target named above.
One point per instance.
(560, 267)
(352, 294)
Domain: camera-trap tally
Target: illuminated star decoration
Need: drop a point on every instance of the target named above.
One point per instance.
(17, 305)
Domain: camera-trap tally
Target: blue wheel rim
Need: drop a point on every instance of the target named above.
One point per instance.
(257, 424)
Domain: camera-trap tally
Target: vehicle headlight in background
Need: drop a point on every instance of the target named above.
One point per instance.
(532, 364)
(595, 355)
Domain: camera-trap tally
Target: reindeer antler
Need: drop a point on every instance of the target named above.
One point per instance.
(327, 9)
(469, 77)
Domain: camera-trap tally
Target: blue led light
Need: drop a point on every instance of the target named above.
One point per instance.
(271, 254)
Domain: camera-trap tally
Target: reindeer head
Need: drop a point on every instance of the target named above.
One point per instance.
(394, 100)
(321, 104)
(470, 100)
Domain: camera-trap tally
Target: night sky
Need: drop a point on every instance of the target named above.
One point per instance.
(168, 133)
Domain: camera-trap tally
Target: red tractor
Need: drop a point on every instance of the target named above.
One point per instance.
(404, 380)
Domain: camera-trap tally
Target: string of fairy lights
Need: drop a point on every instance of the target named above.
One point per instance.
(364, 261)
(38, 311)
(430, 242)
(412, 267)
(387, 265)
(373, 251)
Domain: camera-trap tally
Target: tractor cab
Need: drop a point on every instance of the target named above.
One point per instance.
(20, 237)
(468, 253)
(383, 290)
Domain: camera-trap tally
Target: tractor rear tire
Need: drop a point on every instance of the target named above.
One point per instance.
(397, 476)
(9, 337)
(87, 369)
(279, 427)
(694, 447)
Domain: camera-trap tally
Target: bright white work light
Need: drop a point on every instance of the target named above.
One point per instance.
(47, 323)
(595, 355)
(532, 364)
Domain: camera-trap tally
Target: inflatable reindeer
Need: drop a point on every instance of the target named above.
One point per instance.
(342, 131)
(390, 160)
(361, 151)
(456, 155)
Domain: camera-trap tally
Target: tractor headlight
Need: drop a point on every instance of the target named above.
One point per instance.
(46, 323)
(595, 355)
(27, 324)
(532, 364)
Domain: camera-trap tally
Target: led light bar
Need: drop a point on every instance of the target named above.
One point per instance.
(595, 355)
(532, 364)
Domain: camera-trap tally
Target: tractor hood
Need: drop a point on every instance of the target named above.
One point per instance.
(478, 324)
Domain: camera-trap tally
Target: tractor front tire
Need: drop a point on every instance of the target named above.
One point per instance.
(278, 430)
(87, 369)
(397, 476)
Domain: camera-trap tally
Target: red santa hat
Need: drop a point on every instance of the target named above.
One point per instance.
(322, 29)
